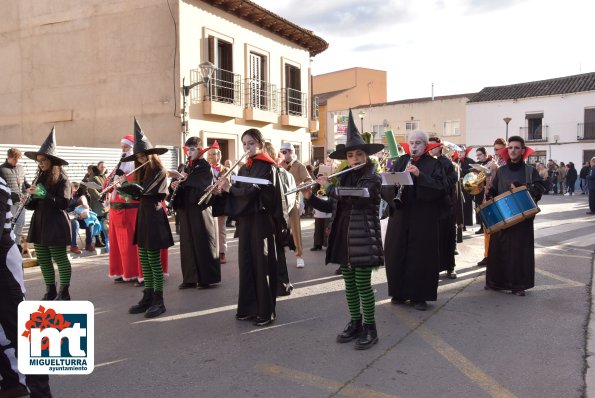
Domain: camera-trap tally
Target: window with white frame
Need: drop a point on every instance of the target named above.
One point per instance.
(377, 131)
(411, 126)
(451, 127)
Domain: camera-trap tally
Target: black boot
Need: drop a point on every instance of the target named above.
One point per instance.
(98, 242)
(50, 292)
(368, 338)
(351, 331)
(143, 304)
(64, 294)
(157, 307)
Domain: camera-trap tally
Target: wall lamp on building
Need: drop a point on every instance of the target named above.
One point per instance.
(206, 73)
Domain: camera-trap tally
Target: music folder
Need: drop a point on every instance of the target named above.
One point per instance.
(250, 180)
(396, 178)
(353, 191)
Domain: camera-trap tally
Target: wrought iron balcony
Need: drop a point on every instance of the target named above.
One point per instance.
(585, 131)
(294, 102)
(539, 134)
(261, 95)
(224, 87)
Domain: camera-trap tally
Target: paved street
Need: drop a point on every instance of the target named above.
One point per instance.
(470, 343)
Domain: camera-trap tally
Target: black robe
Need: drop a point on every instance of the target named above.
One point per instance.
(152, 229)
(198, 229)
(258, 209)
(511, 258)
(50, 225)
(411, 246)
(447, 220)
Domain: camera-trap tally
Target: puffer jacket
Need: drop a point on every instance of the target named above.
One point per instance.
(364, 241)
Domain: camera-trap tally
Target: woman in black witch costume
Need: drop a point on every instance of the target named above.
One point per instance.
(50, 226)
(355, 241)
(152, 232)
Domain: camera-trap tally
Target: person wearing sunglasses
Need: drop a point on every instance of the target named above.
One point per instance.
(300, 175)
(511, 259)
(214, 159)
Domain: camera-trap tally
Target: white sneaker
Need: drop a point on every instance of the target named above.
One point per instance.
(300, 263)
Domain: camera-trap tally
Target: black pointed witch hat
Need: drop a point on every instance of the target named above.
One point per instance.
(142, 144)
(48, 149)
(355, 141)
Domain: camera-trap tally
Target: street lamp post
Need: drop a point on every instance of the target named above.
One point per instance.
(361, 115)
(206, 72)
(507, 120)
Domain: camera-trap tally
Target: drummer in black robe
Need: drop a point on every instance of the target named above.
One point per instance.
(511, 258)
(198, 229)
(447, 219)
(152, 232)
(411, 246)
(258, 207)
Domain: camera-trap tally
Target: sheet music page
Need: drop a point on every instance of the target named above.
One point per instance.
(396, 178)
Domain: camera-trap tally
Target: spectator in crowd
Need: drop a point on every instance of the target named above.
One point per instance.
(571, 176)
(76, 207)
(584, 173)
(552, 172)
(14, 174)
(97, 206)
(214, 159)
(301, 175)
(591, 185)
(562, 170)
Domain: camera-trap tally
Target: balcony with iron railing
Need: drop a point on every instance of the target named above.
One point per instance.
(222, 96)
(313, 125)
(585, 131)
(227, 94)
(294, 109)
(539, 134)
(261, 100)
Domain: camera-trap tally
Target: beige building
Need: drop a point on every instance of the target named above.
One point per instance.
(89, 67)
(340, 90)
(442, 116)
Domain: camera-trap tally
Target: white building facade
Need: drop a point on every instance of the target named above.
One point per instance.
(556, 117)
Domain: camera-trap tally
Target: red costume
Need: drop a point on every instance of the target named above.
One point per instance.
(123, 255)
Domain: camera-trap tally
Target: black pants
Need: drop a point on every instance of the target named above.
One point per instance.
(320, 237)
(11, 294)
(592, 200)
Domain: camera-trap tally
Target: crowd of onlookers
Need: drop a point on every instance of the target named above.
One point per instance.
(88, 210)
(562, 179)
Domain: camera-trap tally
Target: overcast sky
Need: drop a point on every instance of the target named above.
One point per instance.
(459, 45)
